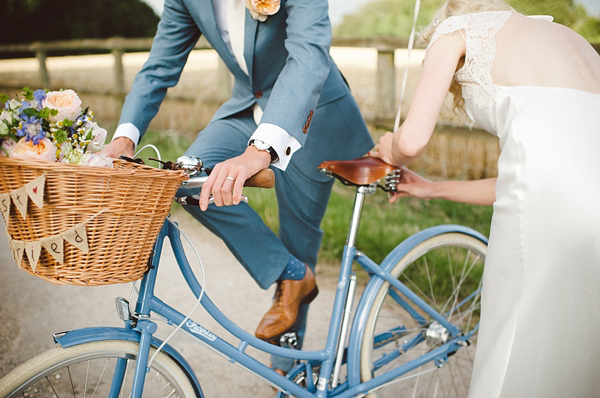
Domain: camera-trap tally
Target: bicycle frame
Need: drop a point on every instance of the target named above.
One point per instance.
(147, 303)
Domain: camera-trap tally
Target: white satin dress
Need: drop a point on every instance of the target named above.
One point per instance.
(540, 329)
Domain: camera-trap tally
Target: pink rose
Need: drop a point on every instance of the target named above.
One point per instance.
(45, 150)
(261, 9)
(66, 102)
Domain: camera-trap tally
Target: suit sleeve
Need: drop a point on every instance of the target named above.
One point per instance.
(298, 87)
(175, 37)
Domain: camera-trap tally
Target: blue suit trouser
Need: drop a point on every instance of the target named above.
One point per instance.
(302, 197)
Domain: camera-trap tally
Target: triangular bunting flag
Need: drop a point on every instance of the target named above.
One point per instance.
(33, 250)
(17, 247)
(35, 190)
(55, 246)
(77, 237)
(19, 197)
(5, 207)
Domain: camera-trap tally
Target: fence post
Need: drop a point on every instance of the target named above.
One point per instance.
(224, 88)
(119, 71)
(386, 84)
(41, 56)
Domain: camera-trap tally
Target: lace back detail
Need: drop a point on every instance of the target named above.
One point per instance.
(479, 32)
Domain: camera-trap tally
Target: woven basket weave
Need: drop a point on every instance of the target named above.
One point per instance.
(123, 209)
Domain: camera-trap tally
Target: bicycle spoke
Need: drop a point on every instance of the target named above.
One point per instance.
(52, 387)
(71, 381)
(100, 378)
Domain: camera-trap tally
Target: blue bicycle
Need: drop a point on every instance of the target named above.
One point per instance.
(411, 333)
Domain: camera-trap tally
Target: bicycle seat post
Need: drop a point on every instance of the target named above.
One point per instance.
(359, 200)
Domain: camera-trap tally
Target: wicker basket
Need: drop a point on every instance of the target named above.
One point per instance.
(122, 208)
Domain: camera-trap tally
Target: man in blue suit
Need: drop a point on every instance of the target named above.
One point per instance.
(290, 110)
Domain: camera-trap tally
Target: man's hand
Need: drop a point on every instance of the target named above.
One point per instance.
(119, 146)
(227, 179)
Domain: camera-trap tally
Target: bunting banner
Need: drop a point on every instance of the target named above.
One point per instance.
(33, 190)
(54, 245)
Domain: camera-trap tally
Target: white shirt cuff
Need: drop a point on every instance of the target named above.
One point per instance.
(128, 130)
(280, 140)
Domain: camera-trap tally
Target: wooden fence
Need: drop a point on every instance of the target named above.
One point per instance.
(449, 155)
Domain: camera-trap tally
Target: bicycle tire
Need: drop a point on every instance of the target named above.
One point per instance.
(67, 372)
(390, 329)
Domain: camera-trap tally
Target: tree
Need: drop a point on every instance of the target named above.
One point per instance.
(43, 20)
(394, 17)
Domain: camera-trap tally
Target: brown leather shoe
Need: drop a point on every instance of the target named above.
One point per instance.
(284, 312)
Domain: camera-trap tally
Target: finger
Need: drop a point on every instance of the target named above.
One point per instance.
(207, 188)
(217, 188)
(238, 188)
(226, 189)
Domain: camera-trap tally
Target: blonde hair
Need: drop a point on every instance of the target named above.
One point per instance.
(459, 7)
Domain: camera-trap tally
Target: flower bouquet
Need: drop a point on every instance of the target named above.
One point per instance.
(51, 126)
(68, 222)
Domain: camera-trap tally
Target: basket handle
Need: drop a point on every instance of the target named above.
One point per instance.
(263, 179)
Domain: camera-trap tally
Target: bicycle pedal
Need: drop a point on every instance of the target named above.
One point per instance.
(289, 340)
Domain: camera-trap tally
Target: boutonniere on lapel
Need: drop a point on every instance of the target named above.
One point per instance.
(261, 9)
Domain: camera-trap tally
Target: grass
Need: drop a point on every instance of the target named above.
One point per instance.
(383, 225)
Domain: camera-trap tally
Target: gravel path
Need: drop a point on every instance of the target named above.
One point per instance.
(32, 309)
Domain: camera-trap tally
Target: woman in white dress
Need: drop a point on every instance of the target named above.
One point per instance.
(536, 85)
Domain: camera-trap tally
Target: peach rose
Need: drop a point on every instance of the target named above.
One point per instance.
(24, 149)
(261, 9)
(66, 102)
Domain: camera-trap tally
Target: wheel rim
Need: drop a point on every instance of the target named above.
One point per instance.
(446, 272)
(89, 374)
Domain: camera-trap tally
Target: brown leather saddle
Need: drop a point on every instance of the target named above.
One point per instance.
(361, 171)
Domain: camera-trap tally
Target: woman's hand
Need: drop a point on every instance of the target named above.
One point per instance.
(412, 184)
(383, 150)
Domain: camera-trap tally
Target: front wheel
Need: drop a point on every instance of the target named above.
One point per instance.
(445, 271)
(87, 370)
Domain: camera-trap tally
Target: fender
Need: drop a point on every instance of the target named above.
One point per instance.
(89, 335)
(366, 301)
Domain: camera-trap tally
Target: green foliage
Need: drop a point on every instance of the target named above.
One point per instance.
(386, 18)
(383, 225)
(45, 20)
(395, 17)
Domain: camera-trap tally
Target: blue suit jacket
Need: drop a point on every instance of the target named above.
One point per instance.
(291, 74)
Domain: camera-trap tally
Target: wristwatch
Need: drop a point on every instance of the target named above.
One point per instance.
(263, 146)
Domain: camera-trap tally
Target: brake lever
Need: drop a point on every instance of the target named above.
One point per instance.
(194, 200)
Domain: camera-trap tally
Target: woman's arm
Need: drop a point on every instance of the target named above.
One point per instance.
(408, 142)
(477, 192)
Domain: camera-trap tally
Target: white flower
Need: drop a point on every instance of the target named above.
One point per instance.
(261, 9)
(7, 116)
(13, 104)
(7, 146)
(98, 136)
(66, 102)
(91, 159)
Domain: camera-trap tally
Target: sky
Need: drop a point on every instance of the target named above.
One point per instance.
(337, 8)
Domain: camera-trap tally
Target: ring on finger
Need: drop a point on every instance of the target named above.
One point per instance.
(230, 178)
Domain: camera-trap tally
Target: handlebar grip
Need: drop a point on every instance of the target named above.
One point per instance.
(263, 179)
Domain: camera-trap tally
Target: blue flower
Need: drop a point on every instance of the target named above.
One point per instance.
(31, 128)
(39, 96)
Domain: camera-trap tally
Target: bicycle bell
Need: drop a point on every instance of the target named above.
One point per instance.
(190, 164)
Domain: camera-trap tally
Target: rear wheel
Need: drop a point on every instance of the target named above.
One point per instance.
(87, 370)
(445, 271)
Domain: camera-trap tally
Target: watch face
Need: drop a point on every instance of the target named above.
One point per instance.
(261, 145)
